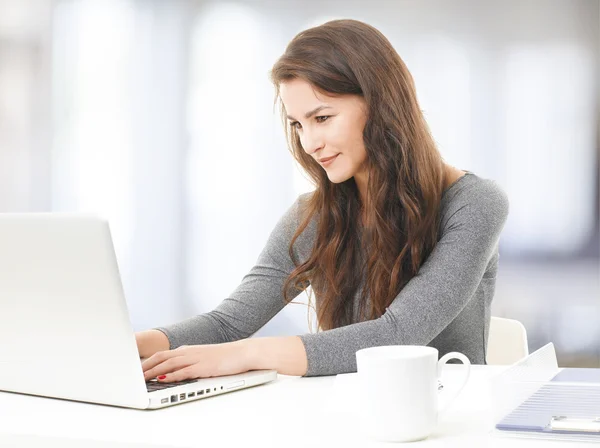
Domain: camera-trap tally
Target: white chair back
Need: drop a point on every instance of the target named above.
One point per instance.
(507, 341)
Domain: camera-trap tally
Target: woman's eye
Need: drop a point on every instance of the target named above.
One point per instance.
(320, 119)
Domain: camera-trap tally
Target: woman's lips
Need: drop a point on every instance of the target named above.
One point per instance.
(326, 161)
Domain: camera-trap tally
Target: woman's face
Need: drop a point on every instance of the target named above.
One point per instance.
(330, 128)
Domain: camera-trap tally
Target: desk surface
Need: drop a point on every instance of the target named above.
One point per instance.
(291, 411)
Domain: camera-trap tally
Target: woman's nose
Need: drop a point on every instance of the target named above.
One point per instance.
(311, 142)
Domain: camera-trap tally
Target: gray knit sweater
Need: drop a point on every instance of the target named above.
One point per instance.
(446, 305)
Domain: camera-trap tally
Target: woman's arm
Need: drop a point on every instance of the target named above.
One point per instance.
(257, 299)
(151, 341)
(285, 354)
(442, 290)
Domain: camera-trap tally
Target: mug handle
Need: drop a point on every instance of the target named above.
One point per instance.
(443, 360)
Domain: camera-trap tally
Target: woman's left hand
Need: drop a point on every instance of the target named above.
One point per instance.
(198, 361)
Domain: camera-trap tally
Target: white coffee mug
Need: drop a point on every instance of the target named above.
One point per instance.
(398, 390)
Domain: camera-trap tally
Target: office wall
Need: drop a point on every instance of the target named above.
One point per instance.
(160, 116)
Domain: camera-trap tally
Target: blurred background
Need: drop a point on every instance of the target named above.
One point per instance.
(159, 115)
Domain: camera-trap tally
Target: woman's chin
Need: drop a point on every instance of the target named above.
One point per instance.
(337, 178)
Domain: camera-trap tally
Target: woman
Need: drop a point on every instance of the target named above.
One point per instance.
(397, 246)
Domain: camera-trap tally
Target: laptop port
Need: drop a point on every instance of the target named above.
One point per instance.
(164, 400)
(200, 392)
(191, 394)
(173, 398)
(182, 396)
(207, 390)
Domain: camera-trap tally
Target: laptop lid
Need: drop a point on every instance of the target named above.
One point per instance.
(64, 326)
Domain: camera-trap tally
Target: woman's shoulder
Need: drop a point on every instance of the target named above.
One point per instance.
(295, 213)
(476, 197)
(304, 197)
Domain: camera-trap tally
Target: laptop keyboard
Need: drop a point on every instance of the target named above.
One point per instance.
(154, 385)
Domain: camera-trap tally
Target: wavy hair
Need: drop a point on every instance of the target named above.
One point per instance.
(375, 258)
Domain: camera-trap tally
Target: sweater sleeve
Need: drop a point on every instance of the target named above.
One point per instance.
(254, 302)
(433, 298)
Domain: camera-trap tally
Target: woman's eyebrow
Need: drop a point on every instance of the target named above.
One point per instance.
(311, 113)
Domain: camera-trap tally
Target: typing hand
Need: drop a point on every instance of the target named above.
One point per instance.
(197, 361)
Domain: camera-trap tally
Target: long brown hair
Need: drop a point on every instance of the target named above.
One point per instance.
(405, 181)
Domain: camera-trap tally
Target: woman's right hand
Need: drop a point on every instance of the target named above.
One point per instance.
(151, 341)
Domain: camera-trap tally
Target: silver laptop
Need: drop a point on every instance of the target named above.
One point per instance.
(64, 325)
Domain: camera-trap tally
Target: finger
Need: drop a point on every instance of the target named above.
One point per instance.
(158, 358)
(168, 366)
(186, 373)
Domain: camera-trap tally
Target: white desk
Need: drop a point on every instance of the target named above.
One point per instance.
(292, 411)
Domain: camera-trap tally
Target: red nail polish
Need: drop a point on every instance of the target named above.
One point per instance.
(162, 377)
